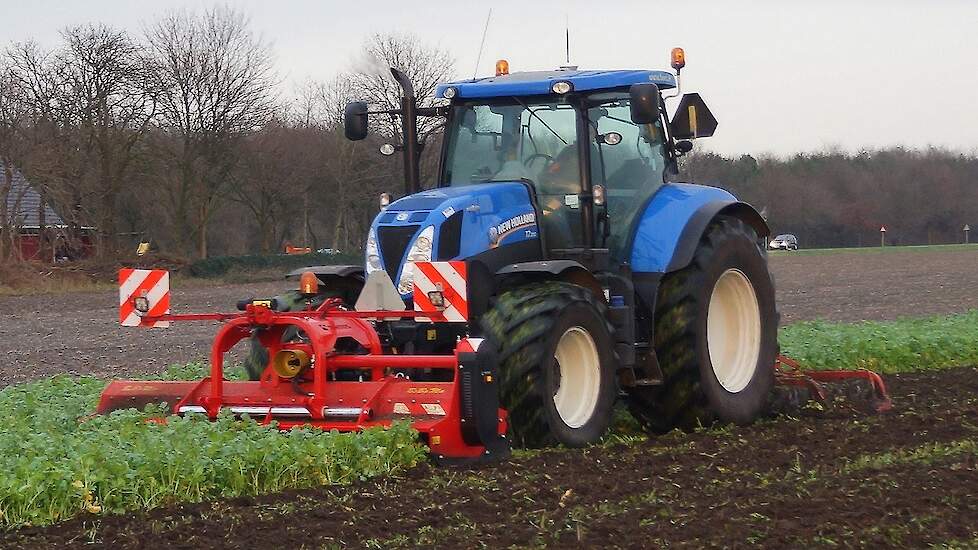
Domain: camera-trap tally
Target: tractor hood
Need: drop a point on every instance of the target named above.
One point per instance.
(448, 223)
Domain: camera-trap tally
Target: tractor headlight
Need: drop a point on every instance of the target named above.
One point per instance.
(420, 251)
(373, 255)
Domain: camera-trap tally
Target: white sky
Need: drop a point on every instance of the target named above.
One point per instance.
(781, 76)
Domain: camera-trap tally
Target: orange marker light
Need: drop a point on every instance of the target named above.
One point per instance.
(308, 283)
(678, 58)
(502, 67)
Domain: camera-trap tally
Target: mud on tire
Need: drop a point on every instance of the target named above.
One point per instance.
(692, 394)
(526, 325)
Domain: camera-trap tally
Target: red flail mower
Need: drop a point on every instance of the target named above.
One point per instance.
(310, 382)
(338, 375)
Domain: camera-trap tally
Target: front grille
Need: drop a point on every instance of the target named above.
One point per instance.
(393, 241)
(450, 237)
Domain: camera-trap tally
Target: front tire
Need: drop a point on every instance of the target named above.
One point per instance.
(557, 364)
(715, 335)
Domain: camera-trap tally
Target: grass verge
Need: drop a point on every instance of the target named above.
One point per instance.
(905, 345)
(56, 466)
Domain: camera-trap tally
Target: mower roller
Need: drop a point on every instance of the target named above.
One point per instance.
(556, 266)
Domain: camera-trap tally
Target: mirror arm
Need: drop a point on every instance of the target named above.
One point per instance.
(678, 90)
(433, 111)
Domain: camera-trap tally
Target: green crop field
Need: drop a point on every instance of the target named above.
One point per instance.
(905, 345)
(58, 462)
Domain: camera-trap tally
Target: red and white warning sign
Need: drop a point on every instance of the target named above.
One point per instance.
(440, 290)
(143, 293)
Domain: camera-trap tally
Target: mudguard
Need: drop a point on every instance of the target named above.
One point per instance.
(347, 280)
(551, 267)
(672, 223)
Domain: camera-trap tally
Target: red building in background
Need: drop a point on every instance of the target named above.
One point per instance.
(38, 226)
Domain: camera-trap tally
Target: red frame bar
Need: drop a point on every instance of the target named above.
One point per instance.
(787, 371)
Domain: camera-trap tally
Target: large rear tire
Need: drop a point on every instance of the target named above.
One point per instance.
(715, 335)
(557, 363)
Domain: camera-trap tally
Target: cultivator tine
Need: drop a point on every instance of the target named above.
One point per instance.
(788, 372)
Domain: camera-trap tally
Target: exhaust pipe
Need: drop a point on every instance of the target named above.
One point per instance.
(409, 131)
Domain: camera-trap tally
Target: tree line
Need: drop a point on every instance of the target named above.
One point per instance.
(834, 199)
(181, 136)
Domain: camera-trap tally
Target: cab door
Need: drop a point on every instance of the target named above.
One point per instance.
(629, 161)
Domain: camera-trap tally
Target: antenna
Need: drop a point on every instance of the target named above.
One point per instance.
(482, 45)
(567, 36)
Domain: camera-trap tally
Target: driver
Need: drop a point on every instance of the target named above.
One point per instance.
(559, 180)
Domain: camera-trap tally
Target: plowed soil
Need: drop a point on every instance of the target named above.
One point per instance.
(822, 478)
(816, 477)
(80, 334)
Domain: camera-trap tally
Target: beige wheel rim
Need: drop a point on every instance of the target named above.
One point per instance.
(580, 377)
(733, 331)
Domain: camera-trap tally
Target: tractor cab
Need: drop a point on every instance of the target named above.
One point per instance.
(589, 166)
(545, 165)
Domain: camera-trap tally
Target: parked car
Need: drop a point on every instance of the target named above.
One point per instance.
(784, 242)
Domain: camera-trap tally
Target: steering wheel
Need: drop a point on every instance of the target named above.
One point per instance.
(529, 160)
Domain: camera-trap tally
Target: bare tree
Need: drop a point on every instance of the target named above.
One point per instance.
(425, 65)
(11, 112)
(29, 129)
(268, 181)
(218, 87)
(109, 97)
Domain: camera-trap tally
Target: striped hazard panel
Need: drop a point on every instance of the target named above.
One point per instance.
(440, 291)
(147, 289)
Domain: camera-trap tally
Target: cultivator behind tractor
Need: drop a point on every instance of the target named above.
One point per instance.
(336, 376)
(788, 372)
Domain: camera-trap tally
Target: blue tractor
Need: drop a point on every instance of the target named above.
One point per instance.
(591, 274)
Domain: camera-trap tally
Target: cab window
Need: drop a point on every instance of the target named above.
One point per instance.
(515, 140)
(631, 170)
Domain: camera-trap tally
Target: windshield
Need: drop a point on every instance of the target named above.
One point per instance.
(535, 142)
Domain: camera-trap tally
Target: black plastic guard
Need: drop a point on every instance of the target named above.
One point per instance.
(479, 401)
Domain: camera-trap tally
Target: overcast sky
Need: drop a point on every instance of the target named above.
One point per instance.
(781, 76)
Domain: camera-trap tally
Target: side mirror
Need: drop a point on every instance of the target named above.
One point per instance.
(646, 103)
(692, 119)
(355, 121)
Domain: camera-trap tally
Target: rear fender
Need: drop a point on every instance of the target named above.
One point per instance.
(694, 230)
(673, 222)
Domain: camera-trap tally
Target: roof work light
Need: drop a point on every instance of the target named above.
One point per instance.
(502, 67)
(678, 59)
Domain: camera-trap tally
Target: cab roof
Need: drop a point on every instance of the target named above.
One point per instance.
(539, 82)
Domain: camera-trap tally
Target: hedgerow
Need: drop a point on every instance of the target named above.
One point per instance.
(221, 265)
(56, 461)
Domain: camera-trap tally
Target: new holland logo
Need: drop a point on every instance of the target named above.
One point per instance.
(499, 232)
